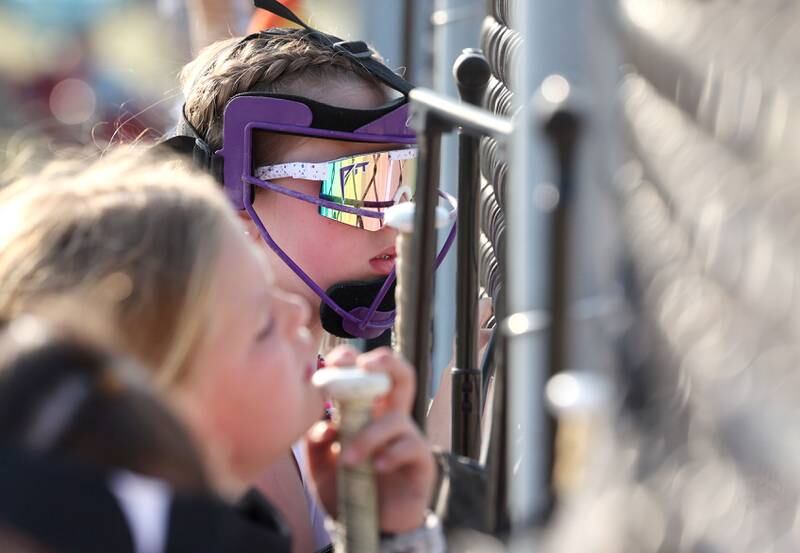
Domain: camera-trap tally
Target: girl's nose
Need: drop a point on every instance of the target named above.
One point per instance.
(387, 235)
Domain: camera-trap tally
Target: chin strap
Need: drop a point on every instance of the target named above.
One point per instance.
(363, 319)
(351, 309)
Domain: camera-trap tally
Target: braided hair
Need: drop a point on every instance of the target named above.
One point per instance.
(287, 62)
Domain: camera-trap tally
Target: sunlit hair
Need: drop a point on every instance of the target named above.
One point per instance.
(132, 235)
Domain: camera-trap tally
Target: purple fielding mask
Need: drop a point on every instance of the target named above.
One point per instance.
(245, 114)
(360, 322)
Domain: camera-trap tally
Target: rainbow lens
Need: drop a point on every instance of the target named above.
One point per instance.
(373, 182)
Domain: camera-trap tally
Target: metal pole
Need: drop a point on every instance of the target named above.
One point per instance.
(415, 334)
(432, 115)
(471, 72)
(495, 448)
(449, 114)
(527, 233)
(553, 35)
(409, 26)
(560, 123)
(456, 24)
(416, 43)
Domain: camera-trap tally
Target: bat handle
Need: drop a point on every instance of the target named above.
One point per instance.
(353, 392)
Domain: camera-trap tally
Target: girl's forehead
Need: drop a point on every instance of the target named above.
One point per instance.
(352, 92)
(274, 149)
(326, 150)
(314, 150)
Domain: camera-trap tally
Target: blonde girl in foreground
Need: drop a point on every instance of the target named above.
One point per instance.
(196, 300)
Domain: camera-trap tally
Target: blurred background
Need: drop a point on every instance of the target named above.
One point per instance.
(90, 71)
(684, 271)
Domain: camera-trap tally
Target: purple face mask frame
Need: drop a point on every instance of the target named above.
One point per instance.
(361, 322)
(246, 114)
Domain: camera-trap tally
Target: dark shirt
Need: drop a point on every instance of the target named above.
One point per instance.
(68, 507)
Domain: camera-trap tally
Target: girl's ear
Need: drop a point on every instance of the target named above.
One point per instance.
(250, 228)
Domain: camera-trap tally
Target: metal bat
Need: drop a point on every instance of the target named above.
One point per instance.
(353, 392)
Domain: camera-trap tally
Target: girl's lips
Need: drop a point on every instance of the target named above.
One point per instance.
(382, 266)
(383, 263)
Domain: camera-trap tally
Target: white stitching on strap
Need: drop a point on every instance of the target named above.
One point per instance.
(309, 171)
(319, 171)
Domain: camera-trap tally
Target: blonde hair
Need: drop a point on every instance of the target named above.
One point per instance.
(283, 63)
(131, 235)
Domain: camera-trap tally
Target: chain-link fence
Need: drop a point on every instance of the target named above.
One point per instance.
(703, 455)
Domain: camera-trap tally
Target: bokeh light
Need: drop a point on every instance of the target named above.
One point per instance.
(73, 101)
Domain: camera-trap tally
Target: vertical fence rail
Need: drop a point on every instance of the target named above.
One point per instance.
(471, 72)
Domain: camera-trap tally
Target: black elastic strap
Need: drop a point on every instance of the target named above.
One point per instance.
(334, 118)
(188, 141)
(349, 296)
(185, 127)
(357, 50)
(280, 10)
